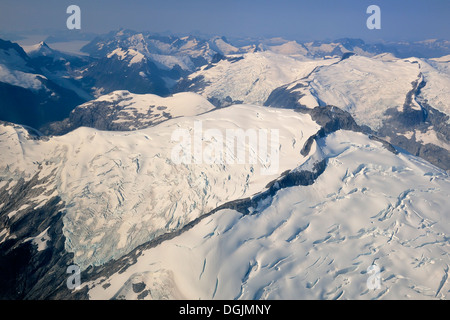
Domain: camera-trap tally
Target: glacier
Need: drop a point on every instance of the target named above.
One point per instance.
(122, 189)
(369, 207)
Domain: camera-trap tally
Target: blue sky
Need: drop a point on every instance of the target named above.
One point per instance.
(293, 19)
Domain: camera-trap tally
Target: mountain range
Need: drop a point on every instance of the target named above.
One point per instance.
(88, 176)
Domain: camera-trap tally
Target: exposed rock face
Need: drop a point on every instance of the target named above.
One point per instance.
(33, 260)
(405, 128)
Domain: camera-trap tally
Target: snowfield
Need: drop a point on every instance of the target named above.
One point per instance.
(369, 207)
(368, 87)
(166, 210)
(178, 105)
(252, 78)
(122, 189)
(21, 79)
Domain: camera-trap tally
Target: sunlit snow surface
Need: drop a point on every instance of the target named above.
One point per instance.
(122, 189)
(365, 87)
(370, 206)
(254, 77)
(380, 85)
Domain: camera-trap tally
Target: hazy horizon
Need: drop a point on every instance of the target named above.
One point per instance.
(289, 19)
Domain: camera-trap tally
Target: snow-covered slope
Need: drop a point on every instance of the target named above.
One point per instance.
(288, 48)
(39, 49)
(167, 52)
(402, 100)
(249, 78)
(380, 85)
(369, 207)
(122, 189)
(16, 68)
(125, 111)
(156, 62)
(180, 104)
(128, 204)
(310, 229)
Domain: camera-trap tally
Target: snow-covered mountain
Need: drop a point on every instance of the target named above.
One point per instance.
(272, 169)
(125, 111)
(147, 63)
(41, 49)
(432, 48)
(60, 67)
(142, 62)
(368, 207)
(248, 78)
(28, 96)
(125, 69)
(402, 100)
(117, 205)
(124, 177)
(168, 52)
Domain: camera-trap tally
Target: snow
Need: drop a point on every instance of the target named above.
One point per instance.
(21, 79)
(40, 48)
(442, 59)
(122, 189)
(121, 54)
(253, 78)
(323, 48)
(131, 54)
(13, 213)
(223, 47)
(11, 59)
(437, 76)
(137, 58)
(41, 240)
(4, 235)
(169, 61)
(137, 106)
(381, 85)
(127, 187)
(431, 137)
(369, 207)
(289, 48)
(382, 82)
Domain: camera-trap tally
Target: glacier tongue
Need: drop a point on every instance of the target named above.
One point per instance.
(369, 207)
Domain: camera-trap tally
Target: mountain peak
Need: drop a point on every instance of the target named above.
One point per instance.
(39, 49)
(42, 44)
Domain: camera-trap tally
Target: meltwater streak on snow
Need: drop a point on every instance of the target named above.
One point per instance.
(121, 189)
(315, 242)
